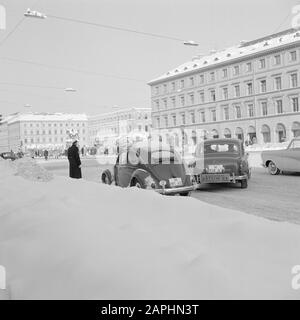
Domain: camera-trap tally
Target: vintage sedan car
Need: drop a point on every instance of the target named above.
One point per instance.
(288, 160)
(156, 168)
(9, 156)
(221, 161)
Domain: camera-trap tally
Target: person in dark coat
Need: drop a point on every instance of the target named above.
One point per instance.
(74, 161)
(46, 154)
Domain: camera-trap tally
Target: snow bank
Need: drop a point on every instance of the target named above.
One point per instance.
(26, 168)
(82, 240)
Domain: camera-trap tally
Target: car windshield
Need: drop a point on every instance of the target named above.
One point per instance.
(219, 147)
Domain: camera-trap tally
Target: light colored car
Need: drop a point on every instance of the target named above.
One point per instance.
(287, 160)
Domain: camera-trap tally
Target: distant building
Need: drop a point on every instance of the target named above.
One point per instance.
(250, 91)
(106, 128)
(38, 131)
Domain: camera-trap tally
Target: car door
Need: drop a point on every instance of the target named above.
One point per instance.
(292, 157)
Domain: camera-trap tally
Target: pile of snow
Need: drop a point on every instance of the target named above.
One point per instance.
(74, 239)
(28, 169)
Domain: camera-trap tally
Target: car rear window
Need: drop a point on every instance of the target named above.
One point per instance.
(222, 147)
(164, 157)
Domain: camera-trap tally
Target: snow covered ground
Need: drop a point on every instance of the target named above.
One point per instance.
(75, 239)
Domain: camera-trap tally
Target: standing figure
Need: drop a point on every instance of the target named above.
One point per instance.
(46, 154)
(74, 161)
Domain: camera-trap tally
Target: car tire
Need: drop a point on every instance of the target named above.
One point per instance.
(244, 184)
(185, 194)
(138, 184)
(106, 177)
(272, 168)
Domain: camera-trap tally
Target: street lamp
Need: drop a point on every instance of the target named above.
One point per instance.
(191, 43)
(70, 90)
(34, 14)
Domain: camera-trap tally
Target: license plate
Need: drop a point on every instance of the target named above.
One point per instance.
(216, 168)
(175, 182)
(215, 178)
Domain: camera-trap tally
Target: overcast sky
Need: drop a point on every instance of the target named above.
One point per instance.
(215, 24)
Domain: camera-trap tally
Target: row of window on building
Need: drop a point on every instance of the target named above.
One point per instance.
(225, 73)
(249, 135)
(238, 91)
(46, 140)
(50, 132)
(43, 125)
(228, 113)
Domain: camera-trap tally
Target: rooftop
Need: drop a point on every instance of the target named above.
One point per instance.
(44, 117)
(118, 112)
(243, 50)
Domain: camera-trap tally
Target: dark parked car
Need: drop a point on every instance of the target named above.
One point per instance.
(283, 160)
(156, 168)
(221, 161)
(9, 156)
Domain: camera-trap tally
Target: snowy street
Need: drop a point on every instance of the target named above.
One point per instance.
(270, 197)
(64, 238)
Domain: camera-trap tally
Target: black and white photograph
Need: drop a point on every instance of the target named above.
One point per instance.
(149, 151)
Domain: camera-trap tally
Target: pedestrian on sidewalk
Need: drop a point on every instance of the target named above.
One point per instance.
(46, 154)
(74, 161)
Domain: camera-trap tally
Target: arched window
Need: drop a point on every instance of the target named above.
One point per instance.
(296, 129)
(239, 133)
(252, 134)
(215, 134)
(266, 133)
(281, 132)
(194, 137)
(227, 133)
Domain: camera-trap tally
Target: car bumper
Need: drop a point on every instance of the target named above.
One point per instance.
(169, 191)
(233, 179)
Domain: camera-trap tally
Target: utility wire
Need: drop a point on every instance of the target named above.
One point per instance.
(12, 32)
(70, 69)
(116, 28)
(30, 85)
(282, 23)
(16, 27)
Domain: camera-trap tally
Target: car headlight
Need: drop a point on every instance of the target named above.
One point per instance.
(150, 183)
(163, 183)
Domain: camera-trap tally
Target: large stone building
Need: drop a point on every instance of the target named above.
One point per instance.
(249, 91)
(39, 131)
(105, 128)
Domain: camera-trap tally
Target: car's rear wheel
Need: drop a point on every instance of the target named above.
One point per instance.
(244, 184)
(185, 194)
(106, 177)
(138, 184)
(273, 170)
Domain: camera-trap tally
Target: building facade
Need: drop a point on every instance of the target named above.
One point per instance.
(250, 91)
(105, 128)
(39, 131)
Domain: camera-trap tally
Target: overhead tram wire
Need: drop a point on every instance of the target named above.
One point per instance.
(282, 23)
(94, 73)
(12, 32)
(30, 85)
(100, 25)
(15, 28)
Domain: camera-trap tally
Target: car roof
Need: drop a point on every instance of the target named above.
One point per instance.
(153, 147)
(223, 140)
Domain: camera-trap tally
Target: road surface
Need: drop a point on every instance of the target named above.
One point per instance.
(272, 197)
